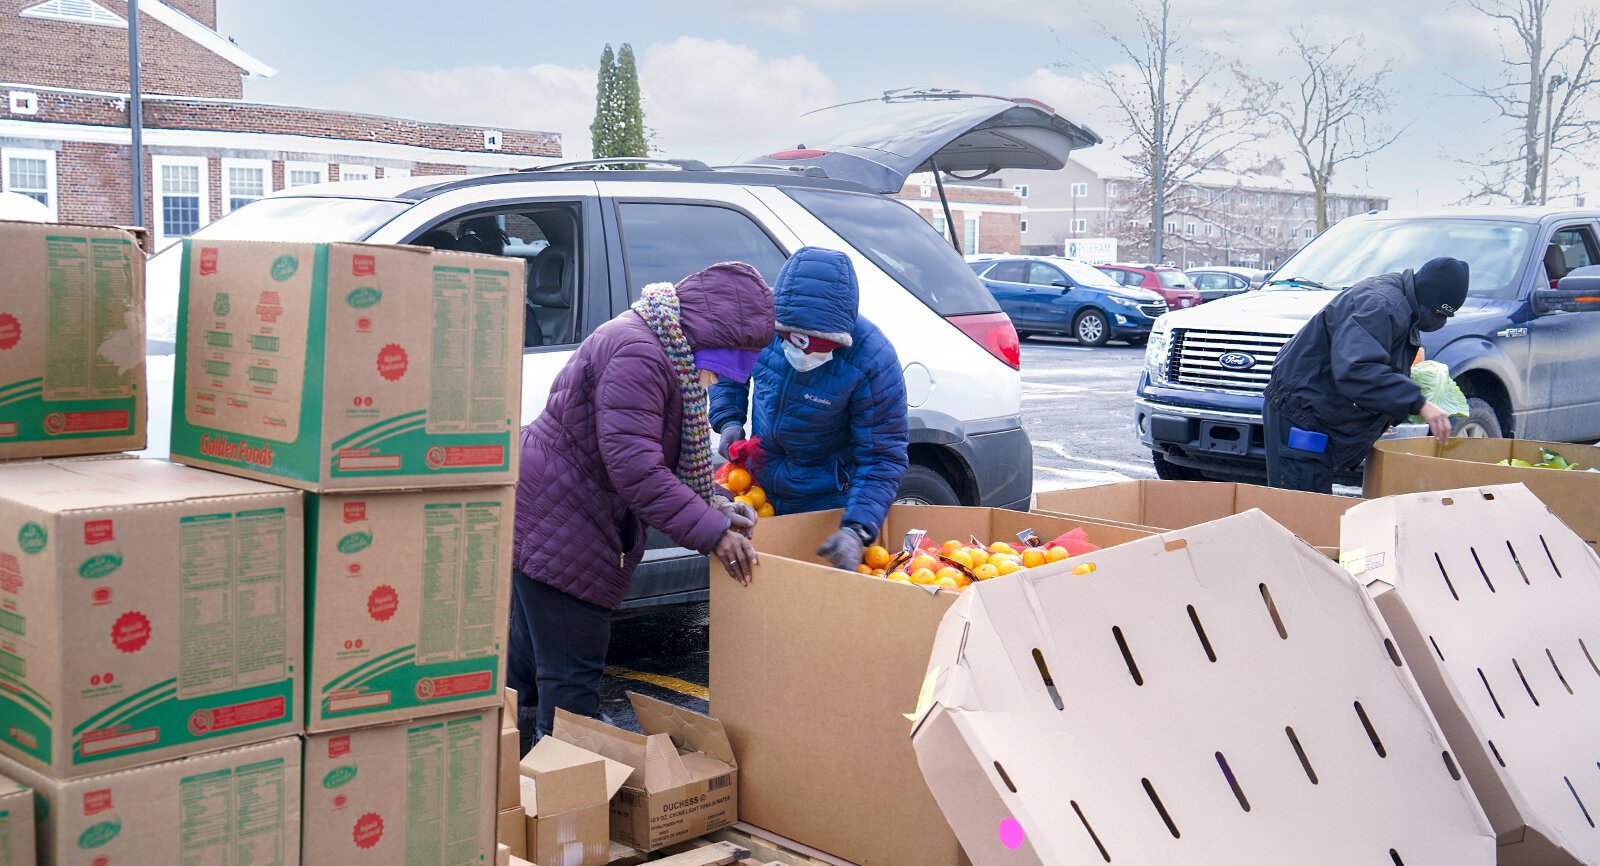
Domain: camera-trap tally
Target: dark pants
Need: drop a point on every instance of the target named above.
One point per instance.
(1290, 468)
(557, 654)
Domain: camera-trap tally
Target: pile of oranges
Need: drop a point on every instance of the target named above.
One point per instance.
(743, 485)
(956, 565)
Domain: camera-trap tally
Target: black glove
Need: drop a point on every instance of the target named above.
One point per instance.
(842, 549)
(730, 434)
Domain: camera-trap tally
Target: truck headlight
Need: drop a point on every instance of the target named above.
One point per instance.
(1155, 352)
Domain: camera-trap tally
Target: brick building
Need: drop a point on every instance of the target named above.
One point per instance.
(64, 137)
(988, 217)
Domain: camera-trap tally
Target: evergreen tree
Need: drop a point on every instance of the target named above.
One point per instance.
(629, 135)
(603, 131)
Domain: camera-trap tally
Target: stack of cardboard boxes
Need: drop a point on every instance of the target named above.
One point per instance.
(385, 382)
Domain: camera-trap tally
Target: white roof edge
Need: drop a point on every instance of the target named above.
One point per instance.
(207, 38)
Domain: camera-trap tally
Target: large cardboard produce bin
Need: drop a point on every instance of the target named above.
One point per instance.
(230, 807)
(147, 611)
(17, 846)
(348, 367)
(72, 377)
(1162, 506)
(1221, 694)
(1496, 607)
(1417, 465)
(813, 669)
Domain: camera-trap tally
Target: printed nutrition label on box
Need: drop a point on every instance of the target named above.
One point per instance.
(460, 567)
(234, 817)
(89, 294)
(444, 767)
(232, 569)
(247, 360)
(467, 385)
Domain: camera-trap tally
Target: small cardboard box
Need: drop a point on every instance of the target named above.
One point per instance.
(1221, 694)
(409, 597)
(348, 367)
(235, 806)
(147, 611)
(813, 669)
(512, 831)
(72, 377)
(510, 746)
(420, 793)
(682, 780)
(16, 824)
(1416, 465)
(1162, 506)
(566, 793)
(1493, 602)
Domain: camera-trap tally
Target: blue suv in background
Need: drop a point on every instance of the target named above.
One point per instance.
(1051, 295)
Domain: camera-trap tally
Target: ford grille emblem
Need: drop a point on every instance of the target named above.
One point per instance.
(1237, 360)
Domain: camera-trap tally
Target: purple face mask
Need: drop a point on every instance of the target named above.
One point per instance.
(734, 364)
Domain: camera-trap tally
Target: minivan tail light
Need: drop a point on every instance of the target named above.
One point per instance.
(804, 153)
(992, 331)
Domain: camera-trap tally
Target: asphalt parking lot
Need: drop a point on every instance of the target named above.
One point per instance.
(1076, 405)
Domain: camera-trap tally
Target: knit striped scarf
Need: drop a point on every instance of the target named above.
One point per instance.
(658, 306)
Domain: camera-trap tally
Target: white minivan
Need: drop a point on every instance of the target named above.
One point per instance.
(593, 236)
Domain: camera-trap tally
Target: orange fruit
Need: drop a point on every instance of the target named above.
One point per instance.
(986, 571)
(952, 544)
(1033, 557)
(952, 573)
(1056, 554)
(1001, 547)
(924, 562)
(961, 557)
(923, 576)
(1008, 565)
(741, 498)
(765, 510)
(756, 495)
(946, 582)
(900, 576)
(864, 569)
(877, 572)
(1083, 569)
(739, 479)
(876, 556)
(979, 556)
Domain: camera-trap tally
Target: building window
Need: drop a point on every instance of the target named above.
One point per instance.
(1079, 226)
(1023, 226)
(940, 226)
(356, 172)
(303, 173)
(1273, 231)
(244, 181)
(31, 173)
(969, 243)
(1080, 190)
(1022, 190)
(1172, 228)
(181, 196)
(1208, 229)
(1222, 197)
(1189, 229)
(1111, 190)
(77, 12)
(1294, 233)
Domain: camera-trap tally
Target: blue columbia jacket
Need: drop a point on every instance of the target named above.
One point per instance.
(834, 437)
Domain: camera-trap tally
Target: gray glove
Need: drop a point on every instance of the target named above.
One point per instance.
(842, 549)
(730, 434)
(741, 517)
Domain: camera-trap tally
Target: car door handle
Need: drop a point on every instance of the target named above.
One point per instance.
(1033, 290)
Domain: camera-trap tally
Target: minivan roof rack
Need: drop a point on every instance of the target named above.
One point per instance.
(576, 165)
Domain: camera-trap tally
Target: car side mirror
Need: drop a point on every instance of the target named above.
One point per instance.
(1577, 292)
(1061, 284)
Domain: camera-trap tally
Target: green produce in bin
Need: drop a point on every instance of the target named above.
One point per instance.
(1439, 389)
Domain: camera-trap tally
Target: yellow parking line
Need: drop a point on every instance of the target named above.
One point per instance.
(682, 687)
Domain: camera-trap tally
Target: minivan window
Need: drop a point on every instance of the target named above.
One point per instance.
(663, 243)
(904, 246)
(1496, 253)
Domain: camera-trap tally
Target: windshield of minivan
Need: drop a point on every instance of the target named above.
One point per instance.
(1495, 252)
(904, 246)
(270, 219)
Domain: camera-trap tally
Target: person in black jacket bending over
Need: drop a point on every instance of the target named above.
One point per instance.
(1346, 377)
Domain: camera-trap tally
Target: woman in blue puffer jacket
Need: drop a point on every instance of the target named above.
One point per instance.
(829, 406)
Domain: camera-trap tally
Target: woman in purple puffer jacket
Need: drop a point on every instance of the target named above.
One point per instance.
(624, 443)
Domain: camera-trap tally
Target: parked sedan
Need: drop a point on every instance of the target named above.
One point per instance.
(1215, 283)
(1051, 295)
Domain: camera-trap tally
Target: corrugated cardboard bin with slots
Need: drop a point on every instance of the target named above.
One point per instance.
(234, 806)
(16, 824)
(1496, 607)
(1162, 506)
(566, 794)
(683, 779)
(147, 611)
(347, 366)
(1221, 694)
(407, 596)
(72, 340)
(813, 669)
(420, 793)
(1418, 465)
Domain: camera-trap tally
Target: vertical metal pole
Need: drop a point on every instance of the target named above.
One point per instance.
(1544, 165)
(949, 223)
(1159, 157)
(135, 113)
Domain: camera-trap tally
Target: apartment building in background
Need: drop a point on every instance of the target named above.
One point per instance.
(1217, 218)
(64, 137)
(987, 216)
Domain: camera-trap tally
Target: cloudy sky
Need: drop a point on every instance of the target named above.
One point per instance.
(718, 75)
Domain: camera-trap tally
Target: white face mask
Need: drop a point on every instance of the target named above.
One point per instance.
(805, 362)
